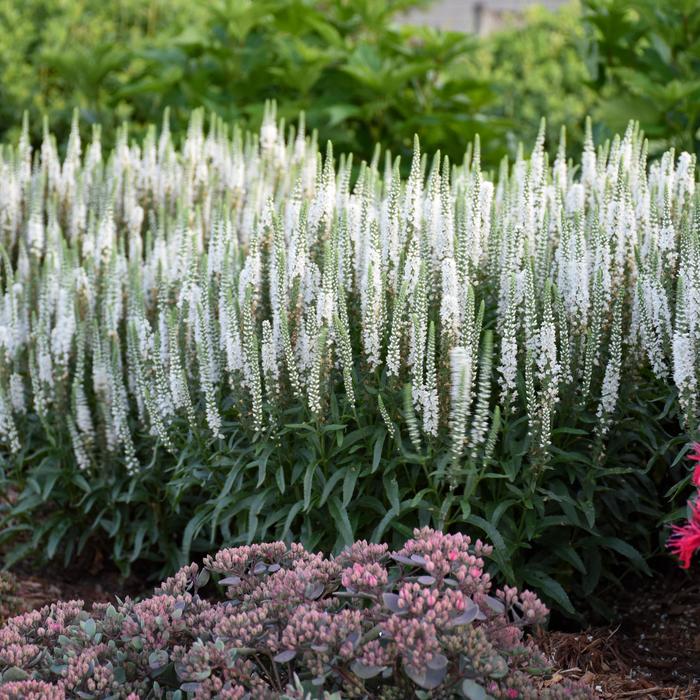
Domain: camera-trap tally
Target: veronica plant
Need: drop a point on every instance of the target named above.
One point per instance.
(242, 337)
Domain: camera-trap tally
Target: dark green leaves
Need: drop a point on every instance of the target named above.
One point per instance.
(644, 59)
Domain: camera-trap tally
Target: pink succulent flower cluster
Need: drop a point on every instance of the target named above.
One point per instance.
(364, 624)
(31, 690)
(685, 539)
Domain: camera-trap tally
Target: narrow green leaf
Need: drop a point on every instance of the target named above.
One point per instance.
(342, 522)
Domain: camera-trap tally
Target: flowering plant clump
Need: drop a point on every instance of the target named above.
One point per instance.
(685, 539)
(418, 622)
(237, 338)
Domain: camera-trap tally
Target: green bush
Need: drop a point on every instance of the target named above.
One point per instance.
(537, 68)
(360, 78)
(644, 57)
(232, 340)
(60, 55)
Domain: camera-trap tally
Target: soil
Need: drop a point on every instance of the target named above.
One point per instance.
(651, 652)
(25, 588)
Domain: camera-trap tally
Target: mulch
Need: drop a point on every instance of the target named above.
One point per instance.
(651, 652)
(25, 588)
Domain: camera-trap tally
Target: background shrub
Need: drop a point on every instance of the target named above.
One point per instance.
(537, 69)
(359, 76)
(417, 622)
(644, 59)
(57, 56)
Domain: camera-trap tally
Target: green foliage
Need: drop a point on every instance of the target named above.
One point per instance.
(328, 482)
(537, 68)
(644, 58)
(360, 78)
(58, 55)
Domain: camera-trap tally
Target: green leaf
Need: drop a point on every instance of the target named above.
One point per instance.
(349, 484)
(391, 488)
(341, 520)
(262, 467)
(55, 537)
(138, 541)
(308, 483)
(626, 549)
(473, 691)
(14, 673)
(279, 478)
(377, 451)
(192, 529)
(493, 534)
(89, 626)
(383, 524)
(570, 555)
(293, 512)
(331, 484)
(550, 588)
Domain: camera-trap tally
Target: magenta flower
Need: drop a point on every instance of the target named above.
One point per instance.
(695, 456)
(685, 540)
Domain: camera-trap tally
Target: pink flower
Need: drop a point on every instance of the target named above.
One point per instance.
(695, 457)
(281, 602)
(31, 690)
(685, 540)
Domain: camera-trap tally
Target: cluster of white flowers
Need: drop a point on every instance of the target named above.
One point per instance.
(219, 280)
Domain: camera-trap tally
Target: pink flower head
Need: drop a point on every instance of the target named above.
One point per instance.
(685, 540)
(31, 690)
(695, 456)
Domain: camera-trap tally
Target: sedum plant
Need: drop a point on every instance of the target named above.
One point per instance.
(238, 337)
(418, 622)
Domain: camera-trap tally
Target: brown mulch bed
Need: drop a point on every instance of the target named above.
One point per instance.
(27, 589)
(651, 652)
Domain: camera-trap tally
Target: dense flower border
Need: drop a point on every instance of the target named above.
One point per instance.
(419, 622)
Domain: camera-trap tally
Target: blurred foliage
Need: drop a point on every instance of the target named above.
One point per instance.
(360, 76)
(644, 58)
(535, 64)
(56, 55)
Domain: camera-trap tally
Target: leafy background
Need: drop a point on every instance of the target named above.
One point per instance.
(360, 77)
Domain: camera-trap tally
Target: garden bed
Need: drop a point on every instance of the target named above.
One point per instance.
(337, 361)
